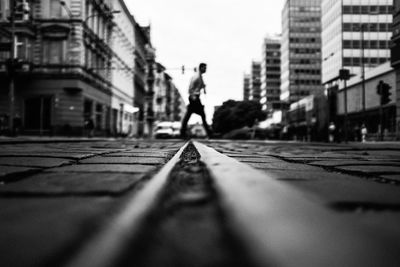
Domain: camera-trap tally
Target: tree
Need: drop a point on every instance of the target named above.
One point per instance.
(237, 114)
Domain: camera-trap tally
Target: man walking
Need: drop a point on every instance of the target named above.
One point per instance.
(195, 106)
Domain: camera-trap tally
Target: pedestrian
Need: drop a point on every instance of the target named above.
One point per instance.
(332, 129)
(357, 133)
(195, 105)
(364, 132)
(17, 124)
(90, 127)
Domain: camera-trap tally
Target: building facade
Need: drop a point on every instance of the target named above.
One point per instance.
(271, 74)
(355, 36)
(255, 81)
(142, 42)
(375, 114)
(246, 87)
(75, 66)
(300, 49)
(395, 59)
(123, 46)
(169, 104)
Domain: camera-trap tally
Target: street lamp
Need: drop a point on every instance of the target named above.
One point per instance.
(362, 30)
(344, 74)
(11, 68)
(363, 70)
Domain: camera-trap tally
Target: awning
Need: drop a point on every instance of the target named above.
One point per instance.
(130, 109)
(117, 104)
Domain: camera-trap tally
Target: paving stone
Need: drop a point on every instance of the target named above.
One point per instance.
(33, 230)
(141, 154)
(342, 188)
(284, 166)
(72, 183)
(340, 162)
(121, 168)
(375, 169)
(295, 175)
(33, 161)
(383, 153)
(15, 171)
(241, 155)
(259, 160)
(384, 222)
(317, 156)
(124, 160)
(65, 155)
(391, 176)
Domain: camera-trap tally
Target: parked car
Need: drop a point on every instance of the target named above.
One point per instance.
(176, 127)
(164, 129)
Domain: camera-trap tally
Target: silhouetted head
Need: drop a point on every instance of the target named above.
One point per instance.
(202, 67)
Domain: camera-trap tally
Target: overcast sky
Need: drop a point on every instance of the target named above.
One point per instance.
(225, 34)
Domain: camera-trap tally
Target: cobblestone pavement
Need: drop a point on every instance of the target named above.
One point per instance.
(358, 181)
(54, 195)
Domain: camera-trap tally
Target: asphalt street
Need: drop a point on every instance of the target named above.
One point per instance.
(55, 194)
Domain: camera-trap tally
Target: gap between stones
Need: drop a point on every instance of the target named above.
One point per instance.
(362, 207)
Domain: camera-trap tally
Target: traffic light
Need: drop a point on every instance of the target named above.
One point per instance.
(22, 10)
(183, 69)
(379, 88)
(344, 74)
(385, 94)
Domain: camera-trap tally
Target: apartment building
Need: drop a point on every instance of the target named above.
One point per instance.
(271, 73)
(355, 36)
(74, 64)
(300, 49)
(255, 81)
(246, 87)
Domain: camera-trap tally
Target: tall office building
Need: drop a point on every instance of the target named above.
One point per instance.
(246, 87)
(300, 49)
(255, 81)
(270, 73)
(354, 32)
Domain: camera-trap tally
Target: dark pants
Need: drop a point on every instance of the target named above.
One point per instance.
(196, 107)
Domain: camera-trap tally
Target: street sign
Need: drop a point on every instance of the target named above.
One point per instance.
(5, 46)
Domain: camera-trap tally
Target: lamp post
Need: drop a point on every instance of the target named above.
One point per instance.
(11, 69)
(344, 75)
(363, 72)
(362, 31)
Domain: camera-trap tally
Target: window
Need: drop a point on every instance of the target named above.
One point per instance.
(55, 9)
(99, 116)
(374, 9)
(24, 48)
(346, 9)
(53, 52)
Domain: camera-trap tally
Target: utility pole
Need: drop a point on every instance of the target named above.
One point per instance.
(11, 69)
(363, 71)
(344, 75)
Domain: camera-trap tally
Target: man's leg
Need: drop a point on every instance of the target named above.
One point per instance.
(185, 122)
(205, 125)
